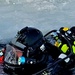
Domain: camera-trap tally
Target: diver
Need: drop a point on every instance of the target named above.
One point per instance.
(29, 52)
(26, 52)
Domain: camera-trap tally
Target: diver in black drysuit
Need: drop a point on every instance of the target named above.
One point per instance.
(30, 52)
(26, 53)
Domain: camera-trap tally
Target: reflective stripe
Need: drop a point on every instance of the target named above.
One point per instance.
(74, 42)
(62, 56)
(65, 29)
(73, 47)
(64, 48)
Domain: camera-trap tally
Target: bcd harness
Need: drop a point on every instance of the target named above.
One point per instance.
(59, 43)
(62, 44)
(67, 33)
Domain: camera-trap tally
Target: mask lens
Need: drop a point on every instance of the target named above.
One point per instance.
(12, 54)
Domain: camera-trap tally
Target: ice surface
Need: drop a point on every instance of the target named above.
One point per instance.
(42, 14)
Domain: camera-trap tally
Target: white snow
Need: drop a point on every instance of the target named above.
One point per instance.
(42, 14)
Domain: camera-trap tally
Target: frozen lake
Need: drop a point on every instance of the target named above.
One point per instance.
(42, 14)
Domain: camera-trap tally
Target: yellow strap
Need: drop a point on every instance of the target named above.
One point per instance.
(65, 29)
(57, 44)
(64, 48)
(73, 47)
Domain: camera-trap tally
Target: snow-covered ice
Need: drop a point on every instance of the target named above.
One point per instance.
(42, 14)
